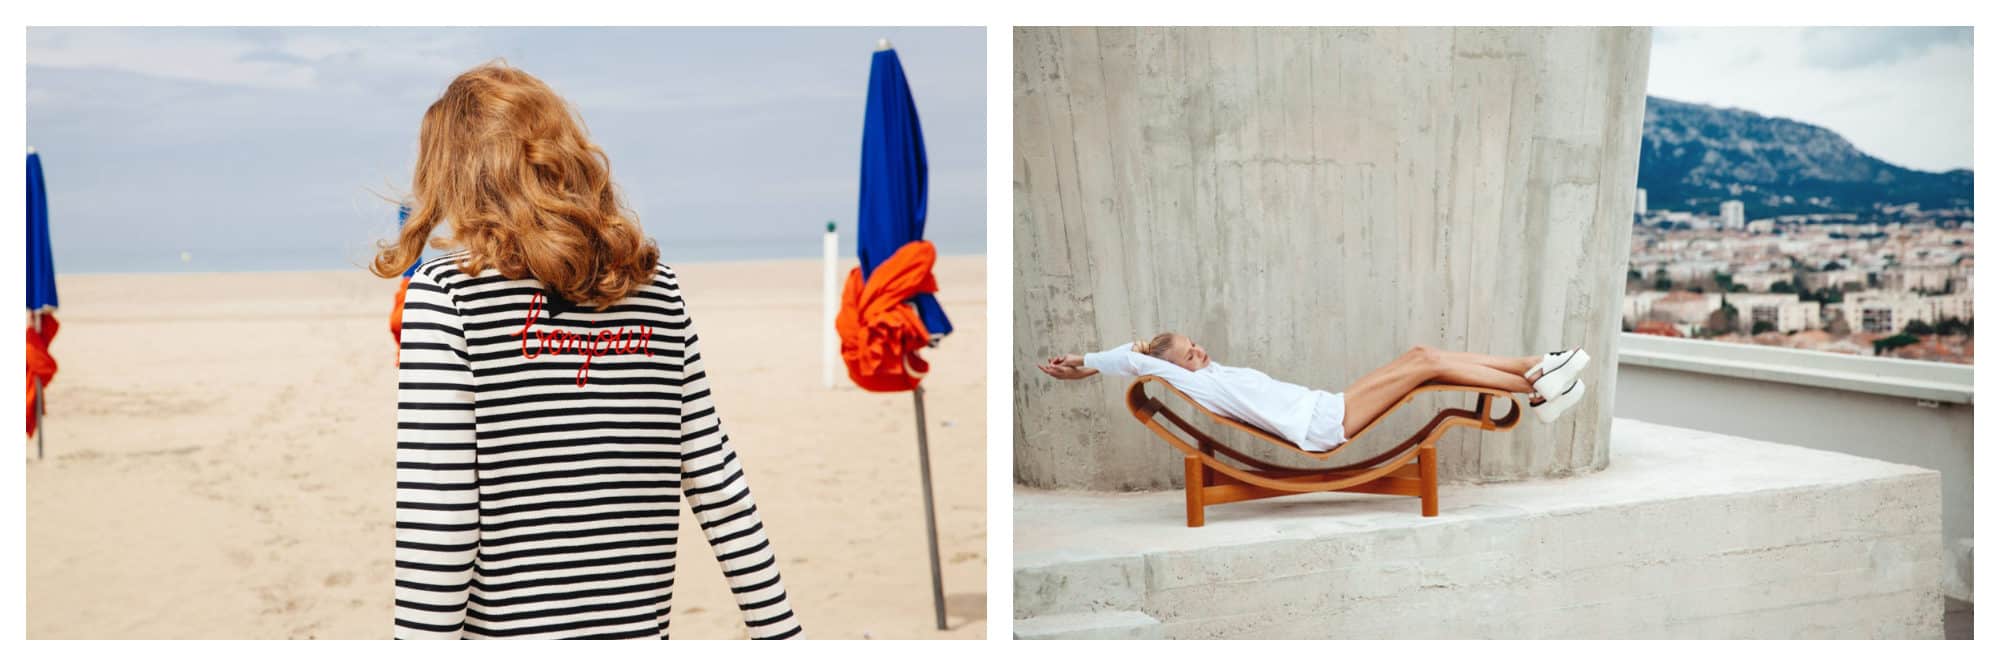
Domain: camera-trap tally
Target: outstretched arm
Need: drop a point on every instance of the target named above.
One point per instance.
(1118, 361)
(1124, 362)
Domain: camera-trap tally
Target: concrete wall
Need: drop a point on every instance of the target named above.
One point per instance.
(1932, 435)
(1311, 202)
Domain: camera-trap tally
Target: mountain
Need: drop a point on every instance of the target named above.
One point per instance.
(1693, 157)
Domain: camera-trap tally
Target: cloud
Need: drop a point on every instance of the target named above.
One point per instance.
(239, 140)
(1849, 48)
(1903, 95)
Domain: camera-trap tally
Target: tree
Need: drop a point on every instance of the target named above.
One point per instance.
(1722, 320)
(1918, 327)
(1661, 283)
(1783, 288)
(1954, 326)
(1738, 289)
(1831, 266)
(1894, 342)
(1762, 327)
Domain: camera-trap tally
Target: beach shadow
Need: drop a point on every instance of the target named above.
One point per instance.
(971, 607)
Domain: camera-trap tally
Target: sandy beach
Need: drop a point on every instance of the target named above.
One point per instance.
(220, 453)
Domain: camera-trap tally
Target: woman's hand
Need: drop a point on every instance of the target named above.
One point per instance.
(1067, 366)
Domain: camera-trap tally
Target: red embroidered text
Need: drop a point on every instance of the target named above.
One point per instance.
(603, 343)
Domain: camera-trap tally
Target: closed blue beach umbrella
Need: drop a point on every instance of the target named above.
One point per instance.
(894, 191)
(895, 178)
(41, 259)
(42, 324)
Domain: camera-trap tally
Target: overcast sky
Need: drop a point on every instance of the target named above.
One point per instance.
(265, 149)
(1900, 94)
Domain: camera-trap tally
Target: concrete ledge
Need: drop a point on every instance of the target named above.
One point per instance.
(1687, 535)
(1922, 380)
(1128, 625)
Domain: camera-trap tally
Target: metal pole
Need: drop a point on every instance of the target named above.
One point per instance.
(41, 415)
(930, 513)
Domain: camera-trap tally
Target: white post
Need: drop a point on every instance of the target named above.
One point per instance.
(830, 300)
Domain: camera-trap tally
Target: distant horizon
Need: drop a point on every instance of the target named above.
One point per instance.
(259, 149)
(845, 259)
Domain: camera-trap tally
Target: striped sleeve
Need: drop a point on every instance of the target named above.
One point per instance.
(720, 495)
(437, 494)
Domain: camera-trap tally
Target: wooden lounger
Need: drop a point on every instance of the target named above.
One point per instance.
(1210, 480)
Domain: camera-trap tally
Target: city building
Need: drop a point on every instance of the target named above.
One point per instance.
(1842, 278)
(1784, 313)
(1913, 278)
(1732, 214)
(1761, 280)
(1685, 307)
(1639, 205)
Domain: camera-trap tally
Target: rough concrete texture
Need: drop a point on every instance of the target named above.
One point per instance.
(1311, 202)
(1690, 535)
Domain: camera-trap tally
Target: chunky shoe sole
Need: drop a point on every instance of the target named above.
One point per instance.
(1554, 407)
(1562, 373)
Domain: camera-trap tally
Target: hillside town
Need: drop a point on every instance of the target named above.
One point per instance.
(1895, 282)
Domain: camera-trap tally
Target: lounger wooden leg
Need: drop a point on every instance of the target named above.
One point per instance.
(1195, 514)
(1427, 472)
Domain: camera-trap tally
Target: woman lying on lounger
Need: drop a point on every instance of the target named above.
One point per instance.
(1314, 419)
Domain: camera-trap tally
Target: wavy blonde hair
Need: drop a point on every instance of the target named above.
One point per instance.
(507, 162)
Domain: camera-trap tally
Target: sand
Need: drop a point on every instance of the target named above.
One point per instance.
(220, 460)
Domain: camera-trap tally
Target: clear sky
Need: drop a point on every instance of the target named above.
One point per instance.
(270, 149)
(1900, 94)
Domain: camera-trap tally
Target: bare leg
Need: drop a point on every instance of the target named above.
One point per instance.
(1515, 364)
(1376, 392)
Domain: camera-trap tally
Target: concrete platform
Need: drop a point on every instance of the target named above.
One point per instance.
(1688, 534)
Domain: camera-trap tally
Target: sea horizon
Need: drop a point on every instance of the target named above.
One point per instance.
(107, 261)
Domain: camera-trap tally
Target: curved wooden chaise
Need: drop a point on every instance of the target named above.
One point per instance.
(1211, 480)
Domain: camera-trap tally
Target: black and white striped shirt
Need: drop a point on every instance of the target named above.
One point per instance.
(542, 450)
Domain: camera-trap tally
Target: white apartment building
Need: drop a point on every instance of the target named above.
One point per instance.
(1685, 307)
(1836, 278)
(1784, 312)
(1889, 311)
(1760, 280)
(1639, 306)
(1639, 204)
(1732, 214)
(1682, 271)
(1914, 278)
(1763, 226)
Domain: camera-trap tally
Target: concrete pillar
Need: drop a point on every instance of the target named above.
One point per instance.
(1312, 202)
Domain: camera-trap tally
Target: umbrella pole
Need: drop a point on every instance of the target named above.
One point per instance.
(41, 419)
(930, 513)
(41, 415)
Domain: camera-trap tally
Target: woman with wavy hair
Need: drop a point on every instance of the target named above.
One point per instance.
(552, 407)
